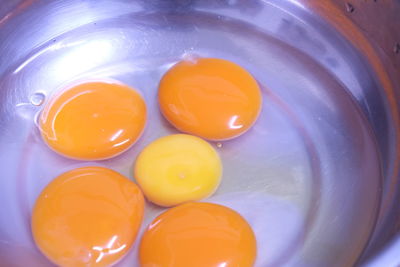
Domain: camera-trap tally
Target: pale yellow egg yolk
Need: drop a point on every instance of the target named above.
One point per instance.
(178, 168)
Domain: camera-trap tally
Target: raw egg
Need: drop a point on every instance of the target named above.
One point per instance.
(198, 235)
(178, 168)
(93, 121)
(88, 216)
(212, 98)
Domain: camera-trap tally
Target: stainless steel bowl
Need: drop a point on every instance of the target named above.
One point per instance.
(317, 176)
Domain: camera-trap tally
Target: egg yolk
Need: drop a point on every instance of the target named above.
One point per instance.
(88, 216)
(209, 97)
(92, 121)
(178, 168)
(198, 235)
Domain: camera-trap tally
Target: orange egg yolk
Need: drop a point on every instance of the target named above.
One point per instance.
(89, 216)
(212, 98)
(198, 235)
(92, 121)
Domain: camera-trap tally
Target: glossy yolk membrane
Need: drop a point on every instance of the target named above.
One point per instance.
(178, 168)
(88, 216)
(93, 121)
(212, 98)
(198, 235)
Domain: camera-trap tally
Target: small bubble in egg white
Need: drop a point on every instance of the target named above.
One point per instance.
(190, 57)
(37, 99)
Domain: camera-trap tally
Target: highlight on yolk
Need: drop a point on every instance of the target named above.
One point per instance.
(178, 168)
(212, 98)
(94, 120)
(198, 235)
(88, 216)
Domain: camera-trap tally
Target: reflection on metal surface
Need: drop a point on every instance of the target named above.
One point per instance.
(349, 8)
(373, 30)
(89, 54)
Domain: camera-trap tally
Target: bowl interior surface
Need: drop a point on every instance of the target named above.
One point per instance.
(307, 176)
